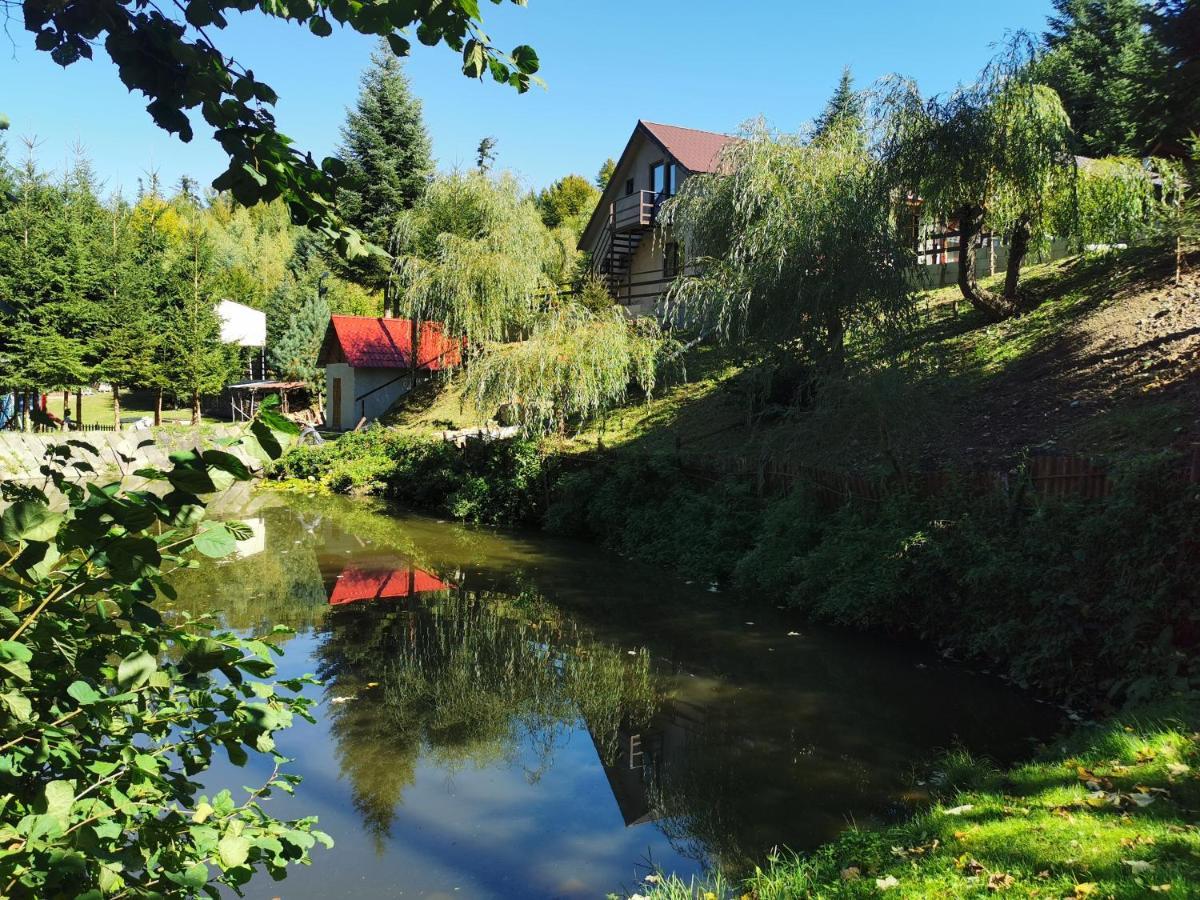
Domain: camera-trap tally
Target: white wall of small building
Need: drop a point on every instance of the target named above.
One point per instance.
(360, 382)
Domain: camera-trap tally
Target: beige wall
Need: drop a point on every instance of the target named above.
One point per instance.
(356, 383)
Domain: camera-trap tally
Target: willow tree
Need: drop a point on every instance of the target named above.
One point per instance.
(472, 254)
(575, 365)
(990, 157)
(795, 244)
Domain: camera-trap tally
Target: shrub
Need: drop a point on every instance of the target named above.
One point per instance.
(112, 710)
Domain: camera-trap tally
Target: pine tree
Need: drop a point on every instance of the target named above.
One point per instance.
(845, 107)
(485, 153)
(294, 356)
(1107, 67)
(1176, 25)
(386, 149)
(604, 176)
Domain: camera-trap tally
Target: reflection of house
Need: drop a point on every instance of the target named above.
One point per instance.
(355, 584)
(257, 542)
(658, 158)
(368, 364)
(642, 752)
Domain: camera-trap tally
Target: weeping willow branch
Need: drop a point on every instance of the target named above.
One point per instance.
(575, 365)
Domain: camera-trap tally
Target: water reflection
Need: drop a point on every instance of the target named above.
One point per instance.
(559, 715)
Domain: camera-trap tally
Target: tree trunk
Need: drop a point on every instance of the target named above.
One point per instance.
(27, 412)
(116, 389)
(66, 405)
(78, 407)
(970, 223)
(195, 409)
(1017, 249)
(158, 392)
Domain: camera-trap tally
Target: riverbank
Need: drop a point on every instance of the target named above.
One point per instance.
(1111, 811)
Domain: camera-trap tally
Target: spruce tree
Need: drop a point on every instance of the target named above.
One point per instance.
(1176, 25)
(386, 149)
(1107, 67)
(604, 176)
(294, 355)
(845, 107)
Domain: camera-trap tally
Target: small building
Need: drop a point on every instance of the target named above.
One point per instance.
(636, 266)
(368, 365)
(245, 326)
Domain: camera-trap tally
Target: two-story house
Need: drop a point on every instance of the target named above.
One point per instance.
(636, 265)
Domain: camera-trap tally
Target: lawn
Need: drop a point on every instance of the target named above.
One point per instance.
(98, 408)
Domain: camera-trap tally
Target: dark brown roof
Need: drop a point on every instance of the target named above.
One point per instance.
(697, 151)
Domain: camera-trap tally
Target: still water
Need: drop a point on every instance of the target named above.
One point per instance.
(513, 716)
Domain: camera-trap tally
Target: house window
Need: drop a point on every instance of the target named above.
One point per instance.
(672, 179)
(628, 186)
(658, 177)
(671, 260)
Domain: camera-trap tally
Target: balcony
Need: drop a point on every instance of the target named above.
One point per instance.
(635, 211)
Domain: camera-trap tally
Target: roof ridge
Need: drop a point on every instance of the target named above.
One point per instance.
(723, 134)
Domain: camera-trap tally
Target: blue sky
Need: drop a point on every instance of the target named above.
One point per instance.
(707, 64)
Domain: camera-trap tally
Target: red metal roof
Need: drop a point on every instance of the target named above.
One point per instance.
(698, 151)
(356, 584)
(374, 343)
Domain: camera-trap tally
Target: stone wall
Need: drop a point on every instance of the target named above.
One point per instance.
(119, 453)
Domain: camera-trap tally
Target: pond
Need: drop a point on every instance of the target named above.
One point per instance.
(507, 715)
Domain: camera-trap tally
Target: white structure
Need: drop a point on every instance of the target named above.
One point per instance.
(242, 325)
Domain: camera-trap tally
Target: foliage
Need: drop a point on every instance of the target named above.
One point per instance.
(605, 174)
(1176, 26)
(795, 243)
(112, 709)
(1035, 829)
(474, 255)
(252, 247)
(575, 365)
(495, 483)
(845, 108)
(1108, 68)
(990, 157)
(1114, 201)
(175, 64)
(294, 356)
(569, 201)
(485, 154)
(388, 155)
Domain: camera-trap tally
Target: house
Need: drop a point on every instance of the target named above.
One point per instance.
(636, 265)
(368, 364)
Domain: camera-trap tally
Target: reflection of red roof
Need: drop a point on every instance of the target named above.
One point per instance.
(369, 343)
(698, 151)
(356, 584)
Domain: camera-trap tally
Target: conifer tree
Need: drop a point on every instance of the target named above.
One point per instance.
(845, 107)
(294, 356)
(604, 176)
(1107, 67)
(387, 152)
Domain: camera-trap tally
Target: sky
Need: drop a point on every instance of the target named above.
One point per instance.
(708, 64)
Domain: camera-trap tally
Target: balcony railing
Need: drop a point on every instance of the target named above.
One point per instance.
(636, 210)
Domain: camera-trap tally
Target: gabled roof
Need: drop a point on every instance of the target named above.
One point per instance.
(374, 343)
(696, 151)
(356, 584)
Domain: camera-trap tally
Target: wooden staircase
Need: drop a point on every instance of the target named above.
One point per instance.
(629, 220)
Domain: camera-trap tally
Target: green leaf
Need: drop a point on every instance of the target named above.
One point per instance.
(29, 520)
(18, 705)
(83, 692)
(17, 669)
(227, 462)
(135, 669)
(214, 540)
(15, 650)
(195, 878)
(320, 27)
(37, 560)
(60, 797)
(234, 850)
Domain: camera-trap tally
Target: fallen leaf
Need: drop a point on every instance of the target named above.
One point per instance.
(998, 881)
(1160, 888)
(1178, 768)
(1085, 889)
(1138, 866)
(959, 810)
(968, 865)
(886, 884)
(851, 873)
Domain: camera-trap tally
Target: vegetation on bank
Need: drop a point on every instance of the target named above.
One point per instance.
(1110, 812)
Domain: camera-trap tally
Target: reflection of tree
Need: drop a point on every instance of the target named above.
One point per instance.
(468, 678)
(279, 586)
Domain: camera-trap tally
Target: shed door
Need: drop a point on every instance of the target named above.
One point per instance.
(336, 404)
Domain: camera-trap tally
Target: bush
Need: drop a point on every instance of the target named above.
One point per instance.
(494, 483)
(112, 710)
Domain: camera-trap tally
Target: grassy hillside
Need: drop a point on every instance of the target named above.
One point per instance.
(1105, 363)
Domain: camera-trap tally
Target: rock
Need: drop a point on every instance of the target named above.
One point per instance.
(1162, 312)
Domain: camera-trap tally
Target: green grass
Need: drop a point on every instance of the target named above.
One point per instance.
(1038, 829)
(98, 408)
